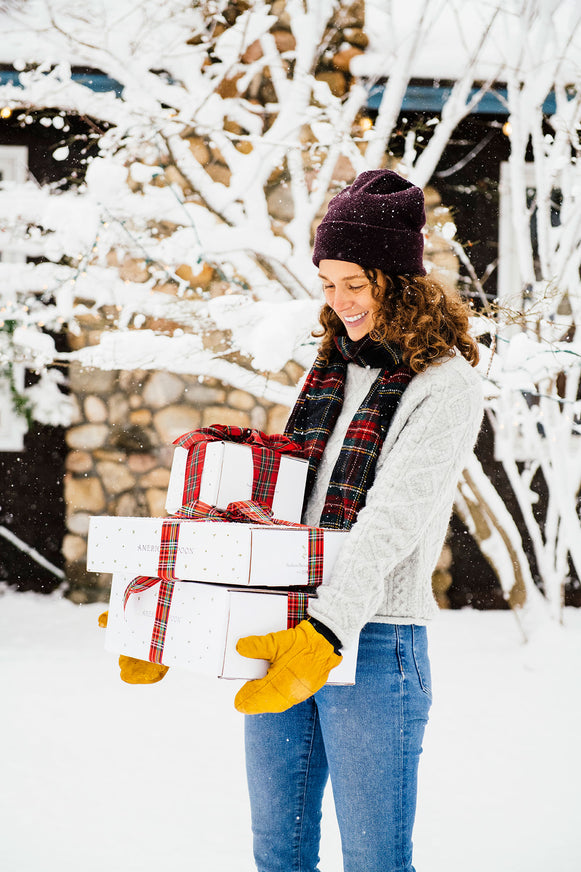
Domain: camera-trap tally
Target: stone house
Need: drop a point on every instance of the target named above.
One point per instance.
(115, 457)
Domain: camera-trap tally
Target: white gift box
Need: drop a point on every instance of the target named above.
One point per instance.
(211, 551)
(204, 623)
(227, 477)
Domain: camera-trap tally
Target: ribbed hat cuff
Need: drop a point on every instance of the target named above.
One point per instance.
(395, 252)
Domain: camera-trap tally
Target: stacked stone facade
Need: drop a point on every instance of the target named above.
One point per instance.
(120, 442)
(120, 447)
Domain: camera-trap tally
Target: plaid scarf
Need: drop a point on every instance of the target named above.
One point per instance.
(316, 411)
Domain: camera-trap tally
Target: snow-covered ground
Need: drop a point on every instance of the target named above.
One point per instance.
(100, 776)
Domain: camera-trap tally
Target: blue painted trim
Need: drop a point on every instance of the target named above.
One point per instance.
(418, 98)
(429, 98)
(98, 82)
(95, 81)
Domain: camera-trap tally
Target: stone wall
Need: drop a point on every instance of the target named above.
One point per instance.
(120, 447)
(125, 422)
(120, 441)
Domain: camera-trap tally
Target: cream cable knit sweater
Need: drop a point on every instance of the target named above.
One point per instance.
(384, 569)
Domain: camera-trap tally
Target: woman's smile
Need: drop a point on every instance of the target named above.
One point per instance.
(349, 293)
(354, 319)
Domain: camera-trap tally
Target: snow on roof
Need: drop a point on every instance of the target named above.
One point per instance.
(76, 32)
(441, 36)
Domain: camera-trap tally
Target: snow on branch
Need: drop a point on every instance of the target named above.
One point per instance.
(143, 349)
(197, 179)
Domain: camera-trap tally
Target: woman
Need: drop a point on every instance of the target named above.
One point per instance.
(387, 417)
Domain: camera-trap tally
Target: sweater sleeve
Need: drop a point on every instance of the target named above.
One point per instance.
(415, 481)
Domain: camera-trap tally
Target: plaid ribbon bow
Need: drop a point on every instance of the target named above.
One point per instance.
(244, 511)
(266, 453)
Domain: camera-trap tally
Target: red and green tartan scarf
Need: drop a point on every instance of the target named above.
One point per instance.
(316, 411)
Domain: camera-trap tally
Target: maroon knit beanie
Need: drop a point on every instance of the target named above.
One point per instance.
(376, 223)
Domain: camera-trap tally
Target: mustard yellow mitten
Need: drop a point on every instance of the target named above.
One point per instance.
(134, 671)
(300, 661)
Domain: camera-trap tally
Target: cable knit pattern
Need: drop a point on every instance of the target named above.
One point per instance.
(384, 570)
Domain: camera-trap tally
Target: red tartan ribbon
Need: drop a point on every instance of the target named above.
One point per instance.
(298, 600)
(241, 512)
(245, 511)
(168, 549)
(266, 452)
(162, 608)
(220, 433)
(296, 607)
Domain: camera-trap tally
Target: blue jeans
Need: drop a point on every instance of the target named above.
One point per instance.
(368, 738)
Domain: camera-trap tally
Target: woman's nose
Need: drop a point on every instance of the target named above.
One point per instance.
(341, 301)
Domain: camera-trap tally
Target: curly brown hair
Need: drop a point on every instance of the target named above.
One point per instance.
(417, 313)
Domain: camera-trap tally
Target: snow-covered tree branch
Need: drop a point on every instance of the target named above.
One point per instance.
(189, 154)
(217, 151)
(223, 135)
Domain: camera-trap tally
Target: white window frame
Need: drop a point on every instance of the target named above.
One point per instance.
(13, 168)
(508, 271)
(14, 162)
(12, 426)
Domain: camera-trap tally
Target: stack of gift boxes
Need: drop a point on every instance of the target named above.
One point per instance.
(231, 560)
